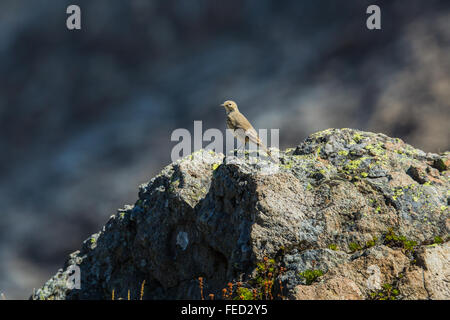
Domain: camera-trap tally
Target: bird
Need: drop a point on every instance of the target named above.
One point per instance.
(241, 127)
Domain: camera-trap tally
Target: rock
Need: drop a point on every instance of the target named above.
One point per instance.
(338, 288)
(436, 275)
(432, 279)
(343, 216)
(364, 274)
(412, 285)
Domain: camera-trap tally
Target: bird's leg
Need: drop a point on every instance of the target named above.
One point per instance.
(236, 151)
(246, 147)
(241, 148)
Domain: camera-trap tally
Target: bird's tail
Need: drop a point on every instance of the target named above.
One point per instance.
(253, 136)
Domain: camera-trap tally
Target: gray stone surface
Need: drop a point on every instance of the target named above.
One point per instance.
(207, 216)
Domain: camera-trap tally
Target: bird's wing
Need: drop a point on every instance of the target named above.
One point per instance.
(239, 121)
(250, 132)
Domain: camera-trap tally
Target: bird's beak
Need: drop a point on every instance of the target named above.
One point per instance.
(222, 105)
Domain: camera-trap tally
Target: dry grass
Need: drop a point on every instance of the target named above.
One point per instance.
(262, 287)
(142, 290)
(141, 295)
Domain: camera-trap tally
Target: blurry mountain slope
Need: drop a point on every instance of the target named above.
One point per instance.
(86, 114)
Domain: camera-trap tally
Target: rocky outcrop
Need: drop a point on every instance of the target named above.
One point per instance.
(344, 215)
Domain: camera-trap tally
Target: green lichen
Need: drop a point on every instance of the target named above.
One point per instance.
(371, 243)
(352, 165)
(319, 149)
(397, 193)
(288, 165)
(376, 149)
(244, 294)
(357, 137)
(174, 185)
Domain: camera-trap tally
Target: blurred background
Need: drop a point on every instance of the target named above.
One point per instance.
(86, 116)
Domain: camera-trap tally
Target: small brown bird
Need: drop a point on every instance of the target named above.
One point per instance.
(241, 127)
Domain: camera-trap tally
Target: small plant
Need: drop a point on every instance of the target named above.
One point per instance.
(200, 284)
(371, 243)
(311, 275)
(438, 240)
(387, 292)
(282, 270)
(264, 278)
(114, 297)
(391, 239)
(224, 293)
(353, 246)
(230, 290)
(261, 286)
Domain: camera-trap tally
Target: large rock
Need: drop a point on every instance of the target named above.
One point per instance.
(369, 211)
